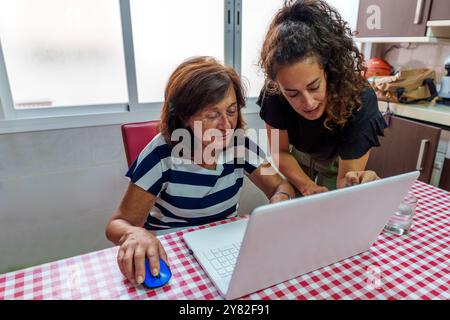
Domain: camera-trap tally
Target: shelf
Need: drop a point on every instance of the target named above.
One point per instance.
(402, 39)
(437, 32)
(438, 23)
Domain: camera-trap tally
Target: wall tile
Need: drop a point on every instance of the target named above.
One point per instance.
(50, 240)
(423, 55)
(27, 200)
(106, 144)
(23, 154)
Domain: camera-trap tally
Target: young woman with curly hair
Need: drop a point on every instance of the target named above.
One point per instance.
(317, 97)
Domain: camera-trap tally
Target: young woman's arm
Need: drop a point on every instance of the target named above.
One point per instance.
(289, 166)
(271, 183)
(352, 172)
(125, 228)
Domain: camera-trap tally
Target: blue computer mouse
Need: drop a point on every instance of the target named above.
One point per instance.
(163, 277)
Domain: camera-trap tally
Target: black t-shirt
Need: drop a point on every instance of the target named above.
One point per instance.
(352, 141)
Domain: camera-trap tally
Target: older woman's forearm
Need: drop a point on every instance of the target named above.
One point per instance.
(117, 228)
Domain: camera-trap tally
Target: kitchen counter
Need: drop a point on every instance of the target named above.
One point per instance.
(433, 113)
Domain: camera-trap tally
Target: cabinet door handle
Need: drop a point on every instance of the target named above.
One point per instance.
(419, 11)
(421, 154)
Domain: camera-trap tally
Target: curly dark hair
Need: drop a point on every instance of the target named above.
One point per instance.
(303, 29)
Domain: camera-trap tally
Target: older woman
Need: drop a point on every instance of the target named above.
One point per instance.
(190, 182)
(317, 97)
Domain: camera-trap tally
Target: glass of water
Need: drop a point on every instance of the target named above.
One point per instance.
(401, 221)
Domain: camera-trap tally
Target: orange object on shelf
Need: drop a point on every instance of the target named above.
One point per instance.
(378, 67)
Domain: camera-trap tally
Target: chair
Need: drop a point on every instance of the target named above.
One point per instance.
(136, 136)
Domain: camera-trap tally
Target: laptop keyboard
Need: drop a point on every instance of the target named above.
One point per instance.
(223, 259)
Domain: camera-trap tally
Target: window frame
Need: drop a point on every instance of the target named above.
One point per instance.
(36, 119)
(15, 115)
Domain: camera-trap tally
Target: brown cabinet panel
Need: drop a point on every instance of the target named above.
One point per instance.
(445, 176)
(399, 18)
(440, 10)
(400, 149)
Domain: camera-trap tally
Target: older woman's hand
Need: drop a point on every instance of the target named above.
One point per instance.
(279, 197)
(135, 246)
(358, 177)
(312, 188)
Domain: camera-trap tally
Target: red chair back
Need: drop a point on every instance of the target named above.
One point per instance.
(136, 136)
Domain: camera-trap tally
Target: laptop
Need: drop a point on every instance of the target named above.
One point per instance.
(282, 241)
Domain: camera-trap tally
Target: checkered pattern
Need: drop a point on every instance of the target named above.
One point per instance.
(415, 266)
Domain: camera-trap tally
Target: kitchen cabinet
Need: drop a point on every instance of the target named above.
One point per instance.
(445, 177)
(406, 146)
(440, 10)
(444, 163)
(399, 18)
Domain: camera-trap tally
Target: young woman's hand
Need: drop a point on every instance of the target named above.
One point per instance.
(312, 188)
(358, 177)
(135, 246)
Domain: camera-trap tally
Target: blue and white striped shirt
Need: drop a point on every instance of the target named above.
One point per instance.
(188, 194)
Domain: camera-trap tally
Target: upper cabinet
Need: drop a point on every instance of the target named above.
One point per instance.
(399, 18)
(440, 10)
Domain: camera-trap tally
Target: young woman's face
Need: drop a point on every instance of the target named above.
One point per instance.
(304, 86)
(223, 117)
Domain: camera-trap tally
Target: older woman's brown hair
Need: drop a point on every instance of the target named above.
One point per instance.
(197, 83)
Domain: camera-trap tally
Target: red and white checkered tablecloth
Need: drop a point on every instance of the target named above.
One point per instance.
(415, 266)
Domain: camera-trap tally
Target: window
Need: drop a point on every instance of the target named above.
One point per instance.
(66, 63)
(256, 16)
(167, 32)
(63, 52)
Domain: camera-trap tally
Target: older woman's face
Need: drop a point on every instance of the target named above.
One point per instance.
(223, 117)
(304, 86)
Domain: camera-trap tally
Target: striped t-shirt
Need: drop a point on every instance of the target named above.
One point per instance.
(188, 194)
